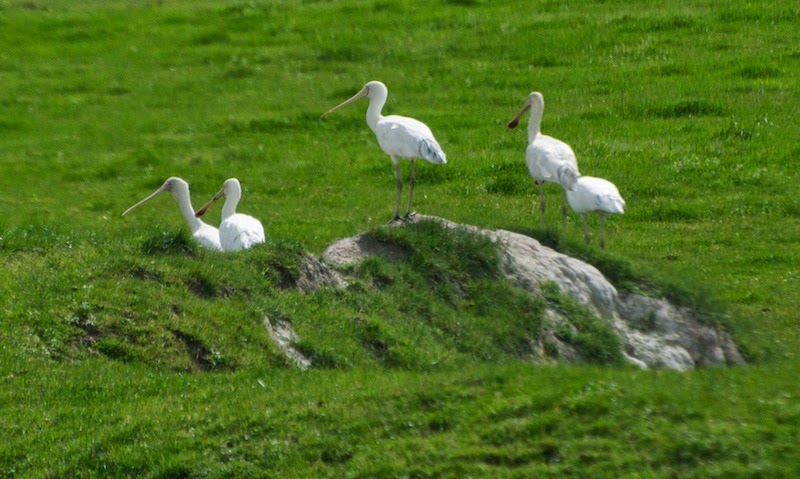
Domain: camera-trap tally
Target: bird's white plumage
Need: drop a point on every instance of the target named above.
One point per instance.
(205, 234)
(407, 138)
(236, 231)
(399, 137)
(239, 232)
(208, 237)
(545, 155)
(595, 195)
(549, 160)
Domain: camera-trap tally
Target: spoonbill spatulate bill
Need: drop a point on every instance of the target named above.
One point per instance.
(400, 137)
(549, 160)
(595, 195)
(236, 231)
(205, 235)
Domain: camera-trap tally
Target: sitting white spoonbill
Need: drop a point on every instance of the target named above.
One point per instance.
(237, 231)
(549, 160)
(399, 137)
(595, 195)
(206, 235)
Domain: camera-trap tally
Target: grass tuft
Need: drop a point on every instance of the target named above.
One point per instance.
(591, 335)
(683, 109)
(430, 246)
(757, 72)
(279, 262)
(178, 242)
(508, 179)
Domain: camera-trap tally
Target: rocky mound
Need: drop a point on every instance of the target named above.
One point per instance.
(655, 333)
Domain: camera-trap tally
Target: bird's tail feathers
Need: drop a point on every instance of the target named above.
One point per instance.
(617, 204)
(431, 151)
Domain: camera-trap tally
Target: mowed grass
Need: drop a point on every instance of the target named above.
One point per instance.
(128, 352)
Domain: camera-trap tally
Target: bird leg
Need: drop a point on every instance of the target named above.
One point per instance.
(564, 209)
(541, 202)
(585, 228)
(399, 188)
(411, 182)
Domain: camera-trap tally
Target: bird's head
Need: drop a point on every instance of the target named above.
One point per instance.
(172, 185)
(231, 188)
(370, 90)
(535, 100)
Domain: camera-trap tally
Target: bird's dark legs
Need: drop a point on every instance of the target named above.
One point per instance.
(585, 228)
(399, 189)
(411, 182)
(564, 209)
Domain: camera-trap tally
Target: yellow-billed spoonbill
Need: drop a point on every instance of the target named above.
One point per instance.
(236, 231)
(549, 160)
(595, 195)
(206, 235)
(399, 137)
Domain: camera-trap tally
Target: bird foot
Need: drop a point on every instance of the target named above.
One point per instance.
(402, 219)
(410, 215)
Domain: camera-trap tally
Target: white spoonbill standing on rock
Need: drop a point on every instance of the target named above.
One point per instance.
(549, 160)
(206, 235)
(399, 137)
(237, 231)
(595, 195)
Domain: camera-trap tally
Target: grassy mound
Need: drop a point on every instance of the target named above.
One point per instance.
(168, 303)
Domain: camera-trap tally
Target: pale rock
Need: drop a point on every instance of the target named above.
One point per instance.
(314, 274)
(655, 333)
(284, 337)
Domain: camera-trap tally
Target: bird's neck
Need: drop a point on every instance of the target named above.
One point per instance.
(535, 123)
(185, 205)
(229, 208)
(374, 111)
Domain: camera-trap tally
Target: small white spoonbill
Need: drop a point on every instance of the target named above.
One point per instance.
(237, 231)
(206, 235)
(399, 137)
(595, 195)
(549, 160)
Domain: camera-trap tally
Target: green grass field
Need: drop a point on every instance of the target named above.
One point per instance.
(126, 351)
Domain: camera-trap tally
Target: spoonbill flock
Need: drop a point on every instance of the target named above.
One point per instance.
(548, 159)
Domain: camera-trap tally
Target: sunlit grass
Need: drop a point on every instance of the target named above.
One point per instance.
(128, 351)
